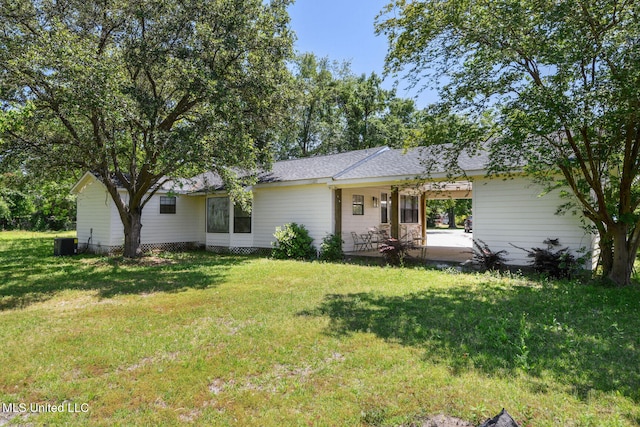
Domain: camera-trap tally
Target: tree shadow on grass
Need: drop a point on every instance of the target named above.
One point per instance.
(585, 337)
(29, 273)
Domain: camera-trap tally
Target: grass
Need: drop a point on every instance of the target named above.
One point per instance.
(224, 340)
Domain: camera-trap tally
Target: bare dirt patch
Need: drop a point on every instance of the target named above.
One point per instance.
(441, 421)
(144, 261)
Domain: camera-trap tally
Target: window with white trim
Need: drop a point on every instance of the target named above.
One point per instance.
(409, 209)
(241, 220)
(385, 204)
(218, 215)
(358, 204)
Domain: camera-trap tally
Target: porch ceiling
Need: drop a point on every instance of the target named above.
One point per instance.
(447, 190)
(432, 190)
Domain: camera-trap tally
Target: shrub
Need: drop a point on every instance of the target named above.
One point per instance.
(556, 263)
(331, 248)
(488, 259)
(393, 251)
(293, 241)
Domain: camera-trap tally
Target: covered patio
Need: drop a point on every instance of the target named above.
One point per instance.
(447, 246)
(367, 216)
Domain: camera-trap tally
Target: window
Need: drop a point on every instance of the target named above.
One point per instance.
(409, 209)
(358, 204)
(218, 215)
(385, 204)
(167, 205)
(241, 220)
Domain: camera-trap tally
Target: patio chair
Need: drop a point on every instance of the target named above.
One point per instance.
(358, 243)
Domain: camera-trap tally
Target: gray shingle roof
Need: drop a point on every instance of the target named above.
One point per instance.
(373, 163)
(317, 167)
(409, 163)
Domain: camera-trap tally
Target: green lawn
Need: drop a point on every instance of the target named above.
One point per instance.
(223, 340)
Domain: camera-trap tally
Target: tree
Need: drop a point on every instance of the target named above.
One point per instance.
(334, 111)
(399, 125)
(314, 118)
(141, 91)
(363, 101)
(453, 207)
(34, 201)
(562, 80)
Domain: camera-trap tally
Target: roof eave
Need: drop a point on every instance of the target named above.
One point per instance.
(399, 179)
(83, 181)
(296, 182)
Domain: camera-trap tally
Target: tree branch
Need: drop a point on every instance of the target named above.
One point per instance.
(183, 106)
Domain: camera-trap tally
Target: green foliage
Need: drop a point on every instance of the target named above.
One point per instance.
(522, 351)
(293, 241)
(5, 210)
(335, 111)
(554, 262)
(362, 100)
(393, 251)
(313, 121)
(141, 91)
(486, 258)
(350, 344)
(32, 202)
(559, 83)
(461, 208)
(55, 207)
(16, 209)
(331, 248)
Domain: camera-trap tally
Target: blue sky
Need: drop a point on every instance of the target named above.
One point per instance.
(343, 30)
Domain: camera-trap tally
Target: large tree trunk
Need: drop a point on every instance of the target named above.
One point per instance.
(131, 217)
(606, 253)
(452, 218)
(623, 257)
(132, 232)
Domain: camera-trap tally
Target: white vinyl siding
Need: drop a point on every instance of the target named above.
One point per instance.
(179, 227)
(183, 226)
(201, 218)
(512, 211)
(117, 229)
(308, 205)
(93, 215)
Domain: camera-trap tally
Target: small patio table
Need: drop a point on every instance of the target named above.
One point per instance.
(377, 237)
(366, 241)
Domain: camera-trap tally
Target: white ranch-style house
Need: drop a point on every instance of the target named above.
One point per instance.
(347, 193)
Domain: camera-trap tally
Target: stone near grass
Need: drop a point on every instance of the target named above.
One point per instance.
(503, 419)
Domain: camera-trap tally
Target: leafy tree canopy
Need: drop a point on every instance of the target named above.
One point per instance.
(561, 79)
(335, 111)
(138, 91)
(35, 202)
(313, 119)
